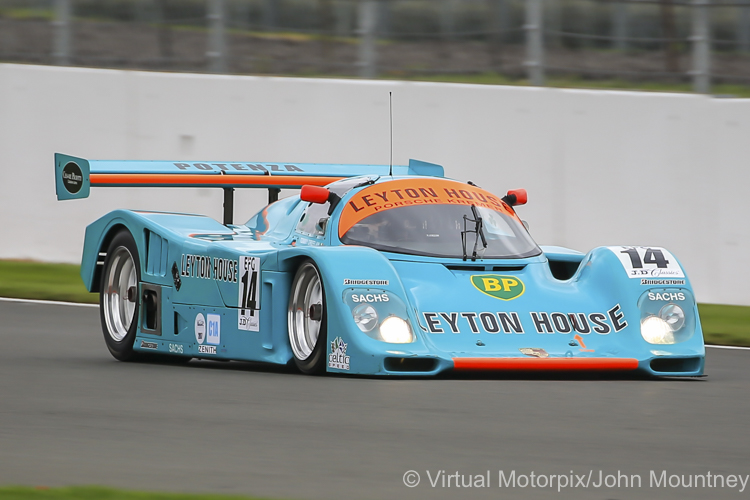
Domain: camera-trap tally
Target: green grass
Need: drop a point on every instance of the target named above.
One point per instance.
(36, 280)
(100, 493)
(22, 13)
(728, 325)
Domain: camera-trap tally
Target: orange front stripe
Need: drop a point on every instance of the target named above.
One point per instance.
(167, 180)
(546, 364)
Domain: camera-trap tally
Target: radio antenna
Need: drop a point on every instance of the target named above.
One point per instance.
(390, 105)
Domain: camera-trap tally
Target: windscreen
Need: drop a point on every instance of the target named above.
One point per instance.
(435, 218)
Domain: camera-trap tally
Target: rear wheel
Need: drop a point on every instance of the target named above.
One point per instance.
(118, 298)
(307, 319)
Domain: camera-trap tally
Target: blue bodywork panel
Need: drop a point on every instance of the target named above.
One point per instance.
(557, 309)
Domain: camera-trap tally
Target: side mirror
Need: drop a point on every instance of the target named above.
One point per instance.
(516, 197)
(314, 194)
(320, 195)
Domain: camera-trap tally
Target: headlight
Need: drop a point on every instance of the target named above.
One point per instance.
(380, 314)
(667, 315)
(396, 331)
(366, 317)
(655, 330)
(673, 315)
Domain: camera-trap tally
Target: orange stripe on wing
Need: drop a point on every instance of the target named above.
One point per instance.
(167, 180)
(546, 364)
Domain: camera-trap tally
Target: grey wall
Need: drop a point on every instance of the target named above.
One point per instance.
(601, 168)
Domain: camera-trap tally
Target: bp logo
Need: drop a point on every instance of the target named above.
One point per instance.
(498, 286)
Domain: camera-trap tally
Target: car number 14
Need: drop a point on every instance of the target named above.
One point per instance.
(648, 262)
(249, 294)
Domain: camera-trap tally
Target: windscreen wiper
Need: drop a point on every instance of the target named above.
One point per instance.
(478, 233)
(370, 180)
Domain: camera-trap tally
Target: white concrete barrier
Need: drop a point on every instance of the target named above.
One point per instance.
(601, 168)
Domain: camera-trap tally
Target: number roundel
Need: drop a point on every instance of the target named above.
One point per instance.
(648, 262)
(248, 299)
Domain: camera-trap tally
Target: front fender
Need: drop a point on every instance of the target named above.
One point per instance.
(346, 267)
(611, 272)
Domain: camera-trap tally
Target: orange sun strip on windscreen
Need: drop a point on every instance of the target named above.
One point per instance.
(415, 192)
(166, 180)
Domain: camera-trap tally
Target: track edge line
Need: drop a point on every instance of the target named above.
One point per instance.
(50, 302)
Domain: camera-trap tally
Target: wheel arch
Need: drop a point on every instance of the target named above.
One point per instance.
(101, 254)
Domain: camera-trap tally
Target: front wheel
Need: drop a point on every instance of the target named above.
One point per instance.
(118, 298)
(307, 319)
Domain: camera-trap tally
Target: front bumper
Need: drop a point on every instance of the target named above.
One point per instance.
(403, 364)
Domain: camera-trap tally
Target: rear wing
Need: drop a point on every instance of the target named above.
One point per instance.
(75, 176)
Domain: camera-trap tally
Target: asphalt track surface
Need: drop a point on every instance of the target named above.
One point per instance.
(70, 414)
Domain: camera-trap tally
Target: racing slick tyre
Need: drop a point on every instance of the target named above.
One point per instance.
(307, 319)
(118, 297)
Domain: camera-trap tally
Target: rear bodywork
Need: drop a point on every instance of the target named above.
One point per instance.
(221, 291)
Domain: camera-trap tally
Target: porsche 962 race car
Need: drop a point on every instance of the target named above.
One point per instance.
(372, 270)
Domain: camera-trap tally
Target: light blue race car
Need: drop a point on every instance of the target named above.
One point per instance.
(372, 270)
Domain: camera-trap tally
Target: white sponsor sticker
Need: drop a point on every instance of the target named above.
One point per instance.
(200, 328)
(648, 262)
(365, 282)
(338, 358)
(668, 296)
(646, 281)
(248, 316)
(207, 349)
(149, 345)
(370, 297)
(213, 333)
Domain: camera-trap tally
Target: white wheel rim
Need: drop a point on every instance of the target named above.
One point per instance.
(304, 330)
(118, 310)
